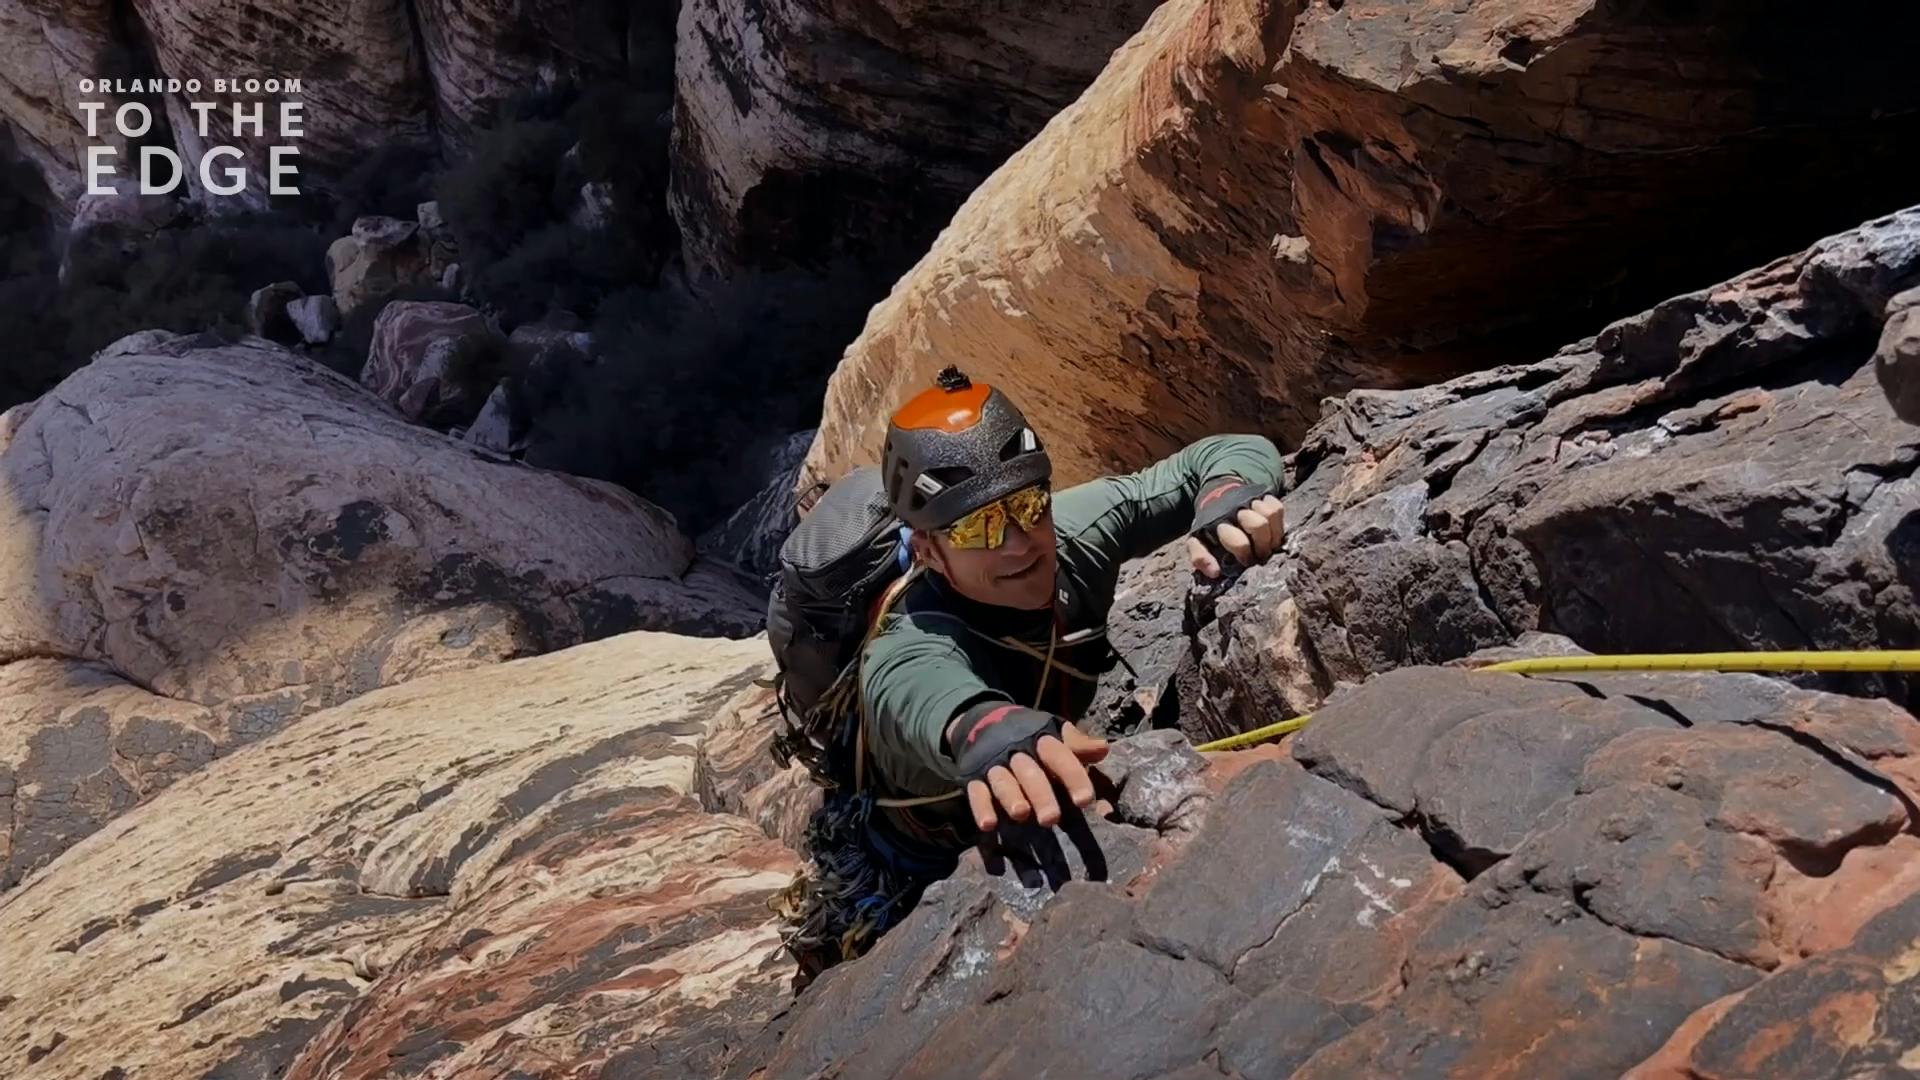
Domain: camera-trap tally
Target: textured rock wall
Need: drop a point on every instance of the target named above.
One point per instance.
(488, 870)
(1260, 204)
(79, 745)
(372, 73)
(1452, 874)
(808, 128)
(1721, 472)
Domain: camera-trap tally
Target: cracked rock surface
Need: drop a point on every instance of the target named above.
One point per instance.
(1364, 904)
(79, 745)
(1722, 472)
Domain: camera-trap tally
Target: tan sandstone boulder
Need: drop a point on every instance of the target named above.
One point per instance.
(380, 255)
(503, 865)
(237, 527)
(1260, 204)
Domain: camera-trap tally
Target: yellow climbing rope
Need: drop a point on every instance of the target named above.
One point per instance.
(1802, 660)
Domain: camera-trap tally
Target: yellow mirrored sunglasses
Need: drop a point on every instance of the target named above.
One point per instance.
(987, 526)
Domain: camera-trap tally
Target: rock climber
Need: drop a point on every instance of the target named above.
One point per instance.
(987, 651)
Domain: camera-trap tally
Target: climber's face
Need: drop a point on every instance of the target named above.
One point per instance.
(1018, 573)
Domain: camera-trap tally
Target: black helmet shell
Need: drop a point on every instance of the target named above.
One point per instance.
(955, 448)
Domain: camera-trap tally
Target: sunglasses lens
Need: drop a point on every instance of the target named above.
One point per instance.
(982, 528)
(1027, 506)
(987, 526)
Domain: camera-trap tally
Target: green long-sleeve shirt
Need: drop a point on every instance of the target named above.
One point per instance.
(939, 653)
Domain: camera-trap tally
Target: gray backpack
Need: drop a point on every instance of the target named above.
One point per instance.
(833, 569)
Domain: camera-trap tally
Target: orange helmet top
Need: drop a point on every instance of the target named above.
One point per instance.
(938, 409)
(955, 448)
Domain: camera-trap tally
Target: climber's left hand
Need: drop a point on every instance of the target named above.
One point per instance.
(1251, 536)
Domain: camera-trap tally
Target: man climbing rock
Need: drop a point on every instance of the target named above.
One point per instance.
(977, 659)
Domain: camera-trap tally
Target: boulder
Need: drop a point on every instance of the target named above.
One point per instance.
(431, 360)
(315, 318)
(1644, 850)
(751, 536)
(506, 864)
(1897, 359)
(808, 129)
(238, 527)
(1720, 472)
(380, 256)
(268, 313)
(1259, 204)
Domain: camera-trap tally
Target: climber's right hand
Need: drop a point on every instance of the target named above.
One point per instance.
(1012, 757)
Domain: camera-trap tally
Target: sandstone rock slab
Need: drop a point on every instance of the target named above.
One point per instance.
(518, 847)
(78, 746)
(237, 527)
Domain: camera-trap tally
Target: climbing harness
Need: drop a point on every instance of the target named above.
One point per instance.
(1877, 660)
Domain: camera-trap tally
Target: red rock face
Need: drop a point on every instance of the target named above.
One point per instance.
(642, 971)
(1453, 874)
(1843, 1012)
(1258, 205)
